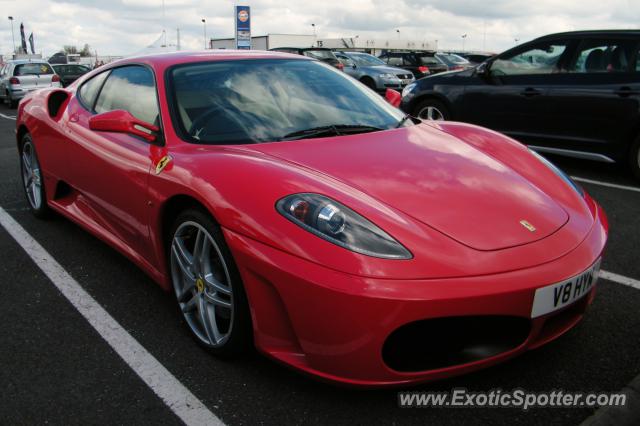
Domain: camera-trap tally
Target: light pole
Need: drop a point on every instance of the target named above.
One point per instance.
(204, 32)
(516, 40)
(13, 38)
(314, 30)
(464, 37)
(398, 32)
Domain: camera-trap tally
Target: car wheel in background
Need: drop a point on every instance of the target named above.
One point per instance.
(369, 83)
(32, 180)
(207, 285)
(11, 102)
(634, 158)
(431, 109)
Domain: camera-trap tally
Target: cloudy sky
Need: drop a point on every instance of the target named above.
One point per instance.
(121, 27)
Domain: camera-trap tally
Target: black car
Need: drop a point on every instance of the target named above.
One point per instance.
(575, 94)
(70, 72)
(420, 64)
(322, 54)
(454, 62)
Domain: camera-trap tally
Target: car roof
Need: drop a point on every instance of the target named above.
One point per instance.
(185, 57)
(587, 33)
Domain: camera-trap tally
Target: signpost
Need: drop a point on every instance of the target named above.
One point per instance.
(243, 27)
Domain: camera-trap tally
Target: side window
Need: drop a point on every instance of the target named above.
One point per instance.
(132, 89)
(395, 60)
(598, 56)
(89, 90)
(544, 58)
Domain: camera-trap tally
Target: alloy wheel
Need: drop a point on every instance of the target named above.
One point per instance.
(31, 176)
(202, 284)
(431, 113)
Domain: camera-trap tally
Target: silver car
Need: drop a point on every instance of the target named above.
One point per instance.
(21, 76)
(373, 72)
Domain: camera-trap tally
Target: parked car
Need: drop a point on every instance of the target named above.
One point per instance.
(21, 76)
(575, 94)
(320, 53)
(70, 72)
(420, 64)
(373, 72)
(454, 62)
(287, 207)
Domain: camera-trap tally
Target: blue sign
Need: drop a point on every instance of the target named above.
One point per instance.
(243, 27)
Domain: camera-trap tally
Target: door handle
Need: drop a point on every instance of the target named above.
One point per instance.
(74, 118)
(530, 92)
(623, 92)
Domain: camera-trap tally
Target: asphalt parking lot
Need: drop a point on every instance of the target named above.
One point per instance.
(55, 368)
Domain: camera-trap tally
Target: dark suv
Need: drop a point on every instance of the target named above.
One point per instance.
(420, 64)
(575, 94)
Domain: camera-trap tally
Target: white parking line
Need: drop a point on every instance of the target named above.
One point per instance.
(10, 117)
(620, 279)
(174, 394)
(607, 184)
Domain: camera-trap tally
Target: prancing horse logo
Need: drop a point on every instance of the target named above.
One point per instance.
(527, 225)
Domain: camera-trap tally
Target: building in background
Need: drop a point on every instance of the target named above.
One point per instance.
(373, 46)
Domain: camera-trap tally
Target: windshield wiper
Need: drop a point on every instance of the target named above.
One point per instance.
(335, 129)
(404, 120)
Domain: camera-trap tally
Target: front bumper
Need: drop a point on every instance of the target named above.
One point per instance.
(334, 326)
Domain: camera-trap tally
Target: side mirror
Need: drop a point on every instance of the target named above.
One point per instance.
(393, 97)
(121, 121)
(482, 70)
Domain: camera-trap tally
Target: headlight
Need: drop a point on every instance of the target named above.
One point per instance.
(407, 90)
(562, 175)
(340, 225)
(388, 76)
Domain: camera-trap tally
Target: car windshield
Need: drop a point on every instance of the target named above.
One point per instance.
(265, 100)
(453, 58)
(319, 54)
(37, 68)
(365, 60)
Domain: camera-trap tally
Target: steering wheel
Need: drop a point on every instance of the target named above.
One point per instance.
(200, 121)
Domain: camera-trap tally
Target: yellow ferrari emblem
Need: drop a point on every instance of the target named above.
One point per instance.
(163, 163)
(200, 285)
(527, 225)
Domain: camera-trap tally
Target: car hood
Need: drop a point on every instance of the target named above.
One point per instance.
(437, 179)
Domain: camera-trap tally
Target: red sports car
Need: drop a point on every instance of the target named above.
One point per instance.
(292, 208)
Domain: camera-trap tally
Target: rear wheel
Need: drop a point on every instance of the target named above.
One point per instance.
(13, 103)
(207, 285)
(634, 158)
(431, 109)
(32, 180)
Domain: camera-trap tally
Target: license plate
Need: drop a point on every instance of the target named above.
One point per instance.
(557, 296)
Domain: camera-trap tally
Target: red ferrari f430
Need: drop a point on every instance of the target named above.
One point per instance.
(289, 207)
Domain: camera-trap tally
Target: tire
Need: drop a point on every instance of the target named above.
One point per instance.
(32, 180)
(207, 285)
(431, 109)
(634, 158)
(11, 102)
(369, 83)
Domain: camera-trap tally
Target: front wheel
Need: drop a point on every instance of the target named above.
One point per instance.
(634, 158)
(207, 285)
(32, 180)
(431, 109)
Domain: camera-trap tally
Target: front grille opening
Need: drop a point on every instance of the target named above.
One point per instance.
(444, 342)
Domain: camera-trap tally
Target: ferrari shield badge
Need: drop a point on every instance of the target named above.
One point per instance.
(162, 163)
